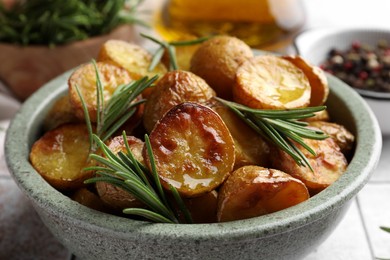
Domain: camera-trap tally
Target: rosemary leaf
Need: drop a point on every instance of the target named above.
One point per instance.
(148, 214)
(156, 58)
(182, 206)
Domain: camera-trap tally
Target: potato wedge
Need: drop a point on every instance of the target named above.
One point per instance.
(250, 147)
(317, 79)
(172, 89)
(270, 82)
(328, 164)
(112, 196)
(131, 57)
(84, 77)
(343, 138)
(60, 155)
(193, 149)
(60, 113)
(217, 60)
(252, 191)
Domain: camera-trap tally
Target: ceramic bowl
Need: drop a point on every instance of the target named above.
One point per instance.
(314, 45)
(288, 234)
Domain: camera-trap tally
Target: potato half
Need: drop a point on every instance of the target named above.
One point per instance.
(193, 149)
(60, 155)
(84, 77)
(252, 191)
(172, 89)
(270, 82)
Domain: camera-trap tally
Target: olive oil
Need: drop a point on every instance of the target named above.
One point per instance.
(262, 24)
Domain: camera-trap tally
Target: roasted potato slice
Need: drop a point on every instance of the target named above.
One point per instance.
(270, 82)
(203, 209)
(60, 155)
(193, 149)
(132, 57)
(217, 60)
(252, 191)
(317, 79)
(84, 77)
(114, 197)
(250, 147)
(60, 113)
(343, 138)
(172, 89)
(89, 199)
(328, 164)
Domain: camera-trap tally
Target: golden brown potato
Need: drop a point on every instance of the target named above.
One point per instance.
(60, 155)
(203, 209)
(252, 191)
(131, 57)
(317, 79)
(270, 82)
(60, 113)
(217, 60)
(84, 77)
(172, 89)
(343, 138)
(250, 147)
(193, 149)
(328, 164)
(114, 197)
(89, 199)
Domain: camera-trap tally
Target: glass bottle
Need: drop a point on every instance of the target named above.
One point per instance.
(263, 24)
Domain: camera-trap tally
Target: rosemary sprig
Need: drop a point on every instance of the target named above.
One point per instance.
(56, 22)
(124, 171)
(170, 47)
(121, 106)
(281, 127)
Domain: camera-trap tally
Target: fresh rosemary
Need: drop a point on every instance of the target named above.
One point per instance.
(56, 22)
(170, 47)
(123, 170)
(281, 126)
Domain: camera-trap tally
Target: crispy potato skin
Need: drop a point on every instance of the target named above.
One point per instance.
(60, 155)
(193, 149)
(343, 138)
(252, 191)
(172, 89)
(85, 78)
(217, 60)
(60, 113)
(250, 147)
(112, 196)
(316, 76)
(131, 57)
(328, 164)
(270, 82)
(203, 209)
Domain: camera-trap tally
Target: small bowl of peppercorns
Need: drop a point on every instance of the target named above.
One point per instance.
(358, 56)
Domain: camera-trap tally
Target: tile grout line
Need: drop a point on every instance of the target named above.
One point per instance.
(365, 228)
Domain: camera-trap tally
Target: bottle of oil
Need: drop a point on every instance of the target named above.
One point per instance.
(265, 24)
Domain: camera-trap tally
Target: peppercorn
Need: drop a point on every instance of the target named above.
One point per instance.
(361, 65)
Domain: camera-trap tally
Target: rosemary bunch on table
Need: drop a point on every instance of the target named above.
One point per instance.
(56, 22)
(281, 127)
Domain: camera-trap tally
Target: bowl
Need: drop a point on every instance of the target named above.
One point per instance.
(315, 44)
(288, 234)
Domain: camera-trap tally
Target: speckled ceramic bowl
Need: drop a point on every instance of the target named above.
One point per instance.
(314, 45)
(287, 234)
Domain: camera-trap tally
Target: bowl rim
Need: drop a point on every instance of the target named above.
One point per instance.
(306, 37)
(51, 201)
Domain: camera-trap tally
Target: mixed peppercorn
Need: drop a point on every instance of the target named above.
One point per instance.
(361, 66)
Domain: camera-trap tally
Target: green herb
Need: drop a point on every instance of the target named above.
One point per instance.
(121, 106)
(55, 22)
(280, 127)
(170, 47)
(387, 229)
(125, 172)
